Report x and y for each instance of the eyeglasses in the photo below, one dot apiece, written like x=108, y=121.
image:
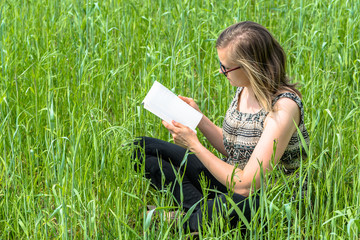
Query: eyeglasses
x=224, y=71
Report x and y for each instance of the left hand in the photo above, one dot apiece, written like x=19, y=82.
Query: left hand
x=182, y=135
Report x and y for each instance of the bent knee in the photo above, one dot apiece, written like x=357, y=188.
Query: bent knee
x=139, y=141
x=137, y=152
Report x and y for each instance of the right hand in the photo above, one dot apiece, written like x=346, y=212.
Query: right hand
x=191, y=102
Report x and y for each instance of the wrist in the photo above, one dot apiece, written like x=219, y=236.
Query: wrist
x=202, y=122
x=196, y=147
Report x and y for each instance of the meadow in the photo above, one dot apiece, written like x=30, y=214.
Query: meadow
x=73, y=75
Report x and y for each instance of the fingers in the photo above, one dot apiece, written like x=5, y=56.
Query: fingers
x=164, y=123
x=186, y=99
x=174, y=128
x=168, y=126
x=177, y=124
x=191, y=102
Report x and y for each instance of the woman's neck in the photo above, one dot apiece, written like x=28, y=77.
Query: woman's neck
x=247, y=102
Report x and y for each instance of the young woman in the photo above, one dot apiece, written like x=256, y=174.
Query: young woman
x=263, y=115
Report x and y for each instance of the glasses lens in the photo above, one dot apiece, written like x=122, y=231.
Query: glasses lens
x=223, y=69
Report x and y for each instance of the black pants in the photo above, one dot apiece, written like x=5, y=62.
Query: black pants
x=162, y=158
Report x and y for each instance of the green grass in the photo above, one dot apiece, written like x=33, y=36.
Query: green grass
x=72, y=78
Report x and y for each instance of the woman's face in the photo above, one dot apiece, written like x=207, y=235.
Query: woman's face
x=238, y=77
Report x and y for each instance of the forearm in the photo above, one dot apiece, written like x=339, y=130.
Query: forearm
x=225, y=173
x=213, y=134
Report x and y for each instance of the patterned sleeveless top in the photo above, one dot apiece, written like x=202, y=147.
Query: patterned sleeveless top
x=242, y=131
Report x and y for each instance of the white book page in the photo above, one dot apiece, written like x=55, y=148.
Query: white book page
x=167, y=106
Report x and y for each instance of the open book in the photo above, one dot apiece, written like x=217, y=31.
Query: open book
x=166, y=105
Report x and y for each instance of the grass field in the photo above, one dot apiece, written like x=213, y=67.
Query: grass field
x=72, y=78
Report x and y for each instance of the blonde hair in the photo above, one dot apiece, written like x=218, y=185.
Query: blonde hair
x=254, y=48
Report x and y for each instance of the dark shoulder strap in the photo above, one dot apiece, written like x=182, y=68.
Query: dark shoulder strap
x=235, y=99
x=295, y=98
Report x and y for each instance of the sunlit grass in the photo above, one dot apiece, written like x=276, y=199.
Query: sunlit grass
x=73, y=75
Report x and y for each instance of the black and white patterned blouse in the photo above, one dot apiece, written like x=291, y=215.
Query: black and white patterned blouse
x=242, y=131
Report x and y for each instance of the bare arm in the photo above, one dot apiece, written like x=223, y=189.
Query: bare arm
x=212, y=132
x=279, y=127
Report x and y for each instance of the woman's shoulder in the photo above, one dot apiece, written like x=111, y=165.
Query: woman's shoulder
x=287, y=93
x=287, y=106
x=287, y=97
